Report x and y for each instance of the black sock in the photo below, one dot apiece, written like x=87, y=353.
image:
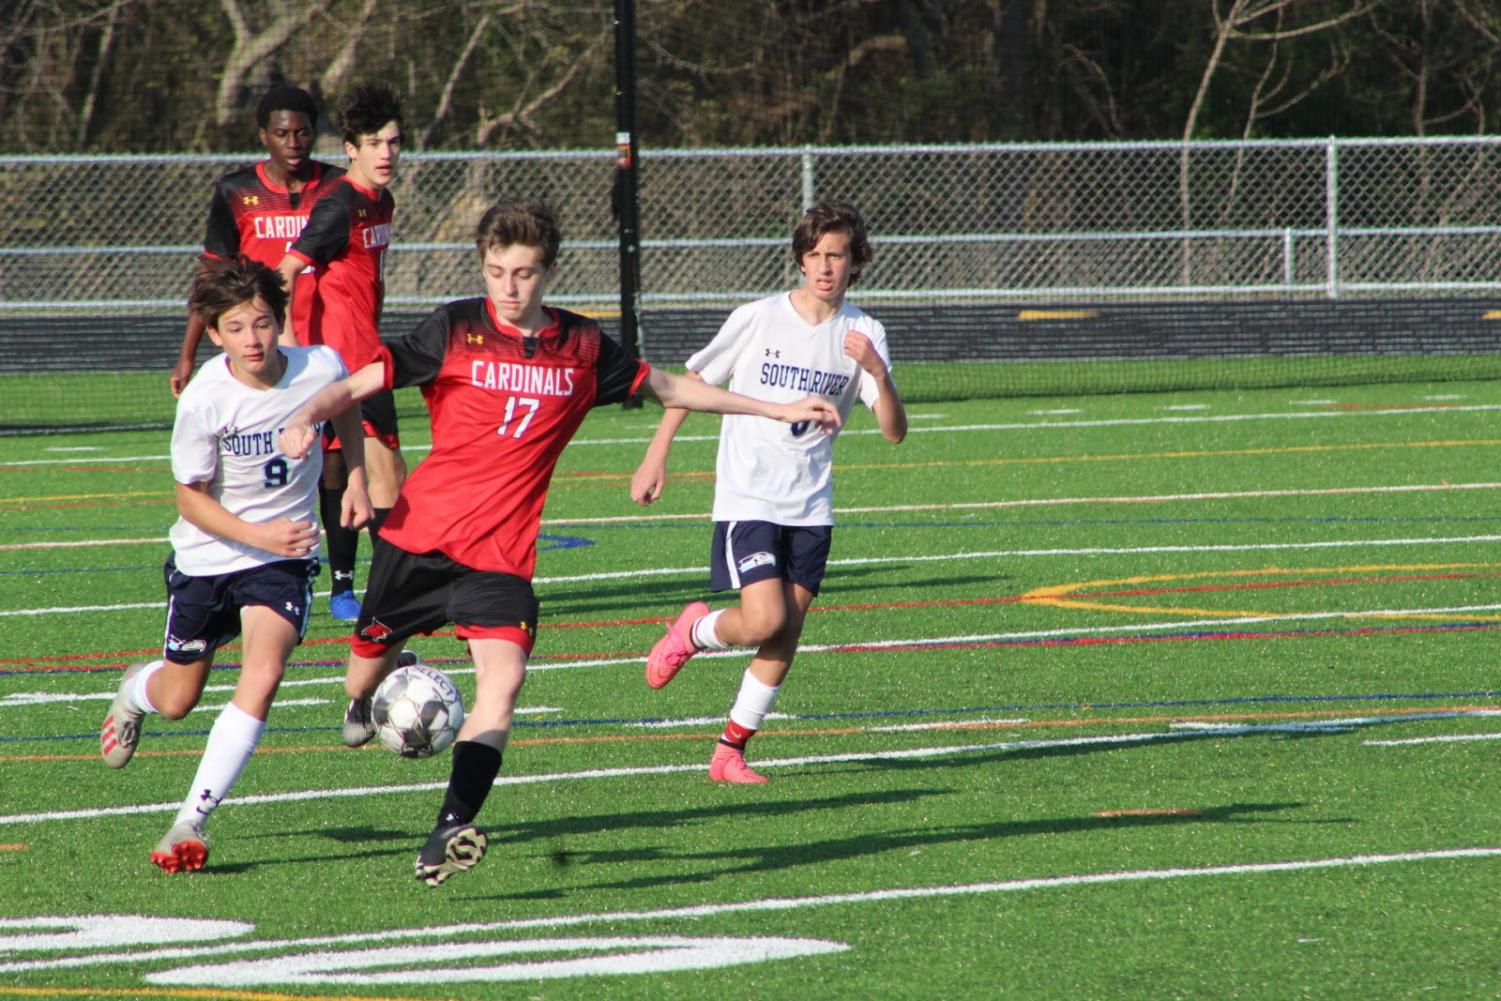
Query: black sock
x=377, y=519
x=343, y=543
x=475, y=766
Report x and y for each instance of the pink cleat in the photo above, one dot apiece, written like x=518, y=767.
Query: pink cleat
x=672, y=651
x=728, y=765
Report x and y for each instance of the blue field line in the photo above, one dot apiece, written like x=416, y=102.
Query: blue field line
x=885, y=714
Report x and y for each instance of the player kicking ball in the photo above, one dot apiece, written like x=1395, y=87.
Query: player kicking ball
x=508, y=380
x=245, y=544
x=774, y=486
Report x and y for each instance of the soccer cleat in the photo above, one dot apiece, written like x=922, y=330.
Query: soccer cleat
x=344, y=606
x=359, y=726
x=672, y=651
x=449, y=850
x=183, y=849
x=121, y=731
x=728, y=765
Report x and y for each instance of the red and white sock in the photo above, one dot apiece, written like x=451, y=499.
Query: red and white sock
x=751, y=707
x=703, y=635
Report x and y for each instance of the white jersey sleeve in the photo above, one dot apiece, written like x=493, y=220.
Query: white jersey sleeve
x=766, y=470
x=225, y=435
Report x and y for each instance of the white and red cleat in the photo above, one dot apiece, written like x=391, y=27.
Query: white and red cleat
x=672, y=651
x=183, y=849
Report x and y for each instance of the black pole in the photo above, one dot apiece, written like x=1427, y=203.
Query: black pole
x=625, y=177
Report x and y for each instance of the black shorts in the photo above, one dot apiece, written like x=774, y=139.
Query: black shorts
x=203, y=613
x=410, y=593
x=378, y=415
x=747, y=551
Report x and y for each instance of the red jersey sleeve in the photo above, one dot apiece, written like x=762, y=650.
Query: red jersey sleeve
x=619, y=374
x=326, y=234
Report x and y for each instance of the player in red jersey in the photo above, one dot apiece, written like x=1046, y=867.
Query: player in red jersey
x=344, y=245
x=258, y=211
x=508, y=381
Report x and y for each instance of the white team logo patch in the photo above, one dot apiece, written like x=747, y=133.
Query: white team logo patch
x=186, y=646
x=761, y=559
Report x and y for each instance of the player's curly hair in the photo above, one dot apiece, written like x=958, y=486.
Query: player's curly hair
x=223, y=285
x=285, y=97
x=366, y=109
x=833, y=217
x=526, y=221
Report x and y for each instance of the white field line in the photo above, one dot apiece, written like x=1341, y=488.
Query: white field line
x=1292, y=415
x=1452, y=739
x=769, y=904
x=970, y=638
x=910, y=754
x=993, y=554
x=1040, y=502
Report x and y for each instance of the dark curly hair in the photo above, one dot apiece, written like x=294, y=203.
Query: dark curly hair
x=223, y=285
x=367, y=109
x=833, y=217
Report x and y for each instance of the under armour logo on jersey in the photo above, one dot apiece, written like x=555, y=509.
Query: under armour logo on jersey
x=474, y=338
x=362, y=213
x=293, y=608
x=773, y=354
x=250, y=200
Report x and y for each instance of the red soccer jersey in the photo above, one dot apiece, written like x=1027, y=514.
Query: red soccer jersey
x=503, y=406
x=345, y=241
x=250, y=216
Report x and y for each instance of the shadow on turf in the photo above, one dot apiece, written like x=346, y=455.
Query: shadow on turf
x=667, y=597
x=762, y=859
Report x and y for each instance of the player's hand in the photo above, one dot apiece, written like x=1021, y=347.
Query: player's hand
x=859, y=347
x=648, y=481
x=355, y=510
x=289, y=538
x=296, y=439
x=813, y=409
x=179, y=376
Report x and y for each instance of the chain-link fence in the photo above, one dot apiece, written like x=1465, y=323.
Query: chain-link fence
x=967, y=238
x=960, y=223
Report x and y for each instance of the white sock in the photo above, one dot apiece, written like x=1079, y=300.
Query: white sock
x=753, y=703
x=704, y=636
x=135, y=692
x=232, y=740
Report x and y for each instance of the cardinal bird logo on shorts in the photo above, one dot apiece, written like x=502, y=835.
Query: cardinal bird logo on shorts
x=376, y=632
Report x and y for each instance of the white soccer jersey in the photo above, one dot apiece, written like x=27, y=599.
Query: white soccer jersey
x=225, y=435
x=767, y=470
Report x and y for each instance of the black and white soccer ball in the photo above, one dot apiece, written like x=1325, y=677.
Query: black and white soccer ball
x=417, y=711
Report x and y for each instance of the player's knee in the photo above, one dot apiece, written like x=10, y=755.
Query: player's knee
x=762, y=623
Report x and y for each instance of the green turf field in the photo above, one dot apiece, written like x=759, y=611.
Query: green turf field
x=1139, y=696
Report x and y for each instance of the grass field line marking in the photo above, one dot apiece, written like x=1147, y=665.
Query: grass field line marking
x=907, y=754
x=632, y=519
x=1451, y=739
x=993, y=554
x=696, y=911
x=948, y=429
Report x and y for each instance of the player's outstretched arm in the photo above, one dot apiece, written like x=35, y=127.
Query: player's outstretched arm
x=651, y=476
x=690, y=394
x=301, y=430
x=283, y=536
x=355, y=508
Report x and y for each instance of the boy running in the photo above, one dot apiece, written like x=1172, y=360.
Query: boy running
x=774, y=487
x=508, y=381
x=344, y=245
x=245, y=544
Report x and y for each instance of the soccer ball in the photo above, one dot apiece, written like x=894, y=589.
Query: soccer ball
x=417, y=711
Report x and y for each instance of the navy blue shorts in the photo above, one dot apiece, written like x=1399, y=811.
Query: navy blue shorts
x=747, y=551
x=410, y=593
x=203, y=613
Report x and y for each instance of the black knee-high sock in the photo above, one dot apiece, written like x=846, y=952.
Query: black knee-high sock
x=343, y=543
x=475, y=766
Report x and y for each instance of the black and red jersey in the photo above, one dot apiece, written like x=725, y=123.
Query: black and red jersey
x=503, y=406
x=250, y=216
x=345, y=242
